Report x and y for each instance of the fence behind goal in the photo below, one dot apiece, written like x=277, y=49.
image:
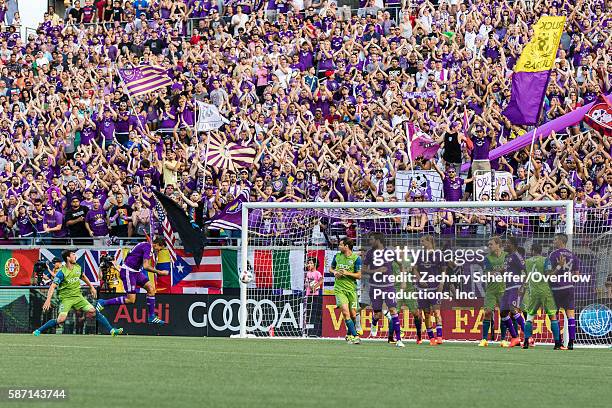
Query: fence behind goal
x=282, y=240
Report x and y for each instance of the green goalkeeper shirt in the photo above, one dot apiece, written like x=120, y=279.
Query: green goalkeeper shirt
x=345, y=263
x=536, y=264
x=68, y=282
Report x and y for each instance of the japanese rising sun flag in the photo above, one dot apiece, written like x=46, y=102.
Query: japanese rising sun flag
x=532, y=70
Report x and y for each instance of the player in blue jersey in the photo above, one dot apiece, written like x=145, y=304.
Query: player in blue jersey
x=133, y=278
x=381, y=286
x=564, y=263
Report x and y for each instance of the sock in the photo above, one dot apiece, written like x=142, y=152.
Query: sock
x=528, y=329
x=430, y=333
x=50, y=324
x=492, y=324
x=151, y=306
x=520, y=320
x=554, y=327
x=374, y=322
x=417, y=324
x=114, y=301
x=104, y=322
x=389, y=318
x=350, y=327
x=439, y=330
x=510, y=327
x=571, y=325
x=358, y=322
x=396, y=327
x=503, y=327
x=486, y=325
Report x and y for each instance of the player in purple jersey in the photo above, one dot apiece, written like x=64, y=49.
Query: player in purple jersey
x=514, y=263
x=429, y=269
x=133, y=277
x=563, y=263
x=382, y=289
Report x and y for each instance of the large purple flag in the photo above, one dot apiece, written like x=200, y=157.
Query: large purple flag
x=423, y=146
x=532, y=70
x=528, y=90
x=231, y=216
x=143, y=79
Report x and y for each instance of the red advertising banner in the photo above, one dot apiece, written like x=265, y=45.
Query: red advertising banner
x=461, y=320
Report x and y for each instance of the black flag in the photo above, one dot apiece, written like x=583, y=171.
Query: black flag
x=192, y=237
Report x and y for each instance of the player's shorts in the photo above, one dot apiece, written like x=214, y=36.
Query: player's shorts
x=540, y=297
x=493, y=294
x=384, y=295
x=427, y=299
x=346, y=297
x=76, y=303
x=132, y=280
x=565, y=298
x=510, y=300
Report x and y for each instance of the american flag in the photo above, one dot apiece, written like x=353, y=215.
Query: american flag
x=167, y=231
x=143, y=79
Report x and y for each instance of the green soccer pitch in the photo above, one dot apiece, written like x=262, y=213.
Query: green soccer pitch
x=133, y=371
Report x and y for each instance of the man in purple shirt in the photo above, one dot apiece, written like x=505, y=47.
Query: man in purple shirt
x=96, y=221
x=564, y=263
x=133, y=278
x=452, y=184
x=53, y=223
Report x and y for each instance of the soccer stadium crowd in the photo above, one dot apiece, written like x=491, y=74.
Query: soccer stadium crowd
x=325, y=93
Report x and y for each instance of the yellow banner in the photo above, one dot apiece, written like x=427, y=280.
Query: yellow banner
x=540, y=53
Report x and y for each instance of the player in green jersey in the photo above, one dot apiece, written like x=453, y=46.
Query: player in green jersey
x=539, y=294
x=493, y=266
x=408, y=301
x=67, y=281
x=346, y=267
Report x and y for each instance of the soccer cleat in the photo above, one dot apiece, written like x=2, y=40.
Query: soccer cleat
x=570, y=345
x=433, y=342
x=116, y=332
x=419, y=341
x=526, y=345
x=99, y=305
x=374, y=331
x=359, y=332
x=514, y=342
x=439, y=340
x=399, y=344
x=563, y=348
x=504, y=344
x=348, y=338
x=558, y=347
x=356, y=340
x=155, y=320
x=36, y=333
x=483, y=343
x=532, y=342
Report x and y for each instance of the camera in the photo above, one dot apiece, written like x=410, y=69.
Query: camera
x=106, y=265
x=40, y=268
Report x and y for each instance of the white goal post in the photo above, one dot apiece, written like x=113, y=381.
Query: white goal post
x=363, y=211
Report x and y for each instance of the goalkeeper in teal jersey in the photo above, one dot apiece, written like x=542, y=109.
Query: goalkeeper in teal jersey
x=68, y=283
x=539, y=294
x=346, y=267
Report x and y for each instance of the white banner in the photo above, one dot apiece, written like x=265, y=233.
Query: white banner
x=482, y=185
x=427, y=182
x=485, y=183
x=209, y=117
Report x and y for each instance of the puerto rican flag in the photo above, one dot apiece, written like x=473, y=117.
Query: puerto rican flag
x=206, y=278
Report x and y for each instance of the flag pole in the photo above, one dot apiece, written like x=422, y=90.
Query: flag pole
x=130, y=99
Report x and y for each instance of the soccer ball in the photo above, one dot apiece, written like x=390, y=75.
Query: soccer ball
x=246, y=277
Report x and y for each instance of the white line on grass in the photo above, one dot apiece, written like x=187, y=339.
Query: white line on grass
x=276, y=355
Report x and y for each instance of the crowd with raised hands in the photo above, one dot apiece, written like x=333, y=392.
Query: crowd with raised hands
x=328, y=94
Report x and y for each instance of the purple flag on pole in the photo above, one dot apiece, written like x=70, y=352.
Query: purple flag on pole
x=230, y=218
x=528, y=89
x=144, y=79
x=423, y=146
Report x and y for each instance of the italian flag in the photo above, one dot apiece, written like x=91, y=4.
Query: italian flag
x=16, y=267
x=281, y=268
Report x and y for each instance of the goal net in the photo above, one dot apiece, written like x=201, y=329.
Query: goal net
x=287, y=250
